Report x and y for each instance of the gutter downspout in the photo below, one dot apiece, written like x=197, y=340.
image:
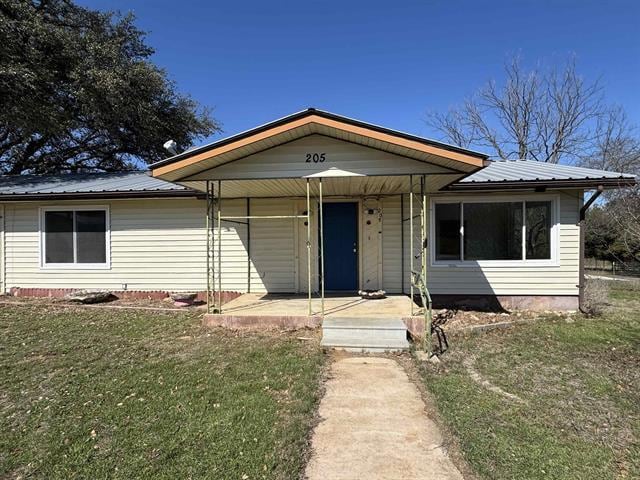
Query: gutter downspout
x=583, y=213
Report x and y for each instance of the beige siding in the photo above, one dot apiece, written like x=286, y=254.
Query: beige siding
x=289, y=161
x=161, y=245
x=155, y=245
x=273, y=255
x=560, y=279
x=2, y=254
x=235, y=264
x=392, y=244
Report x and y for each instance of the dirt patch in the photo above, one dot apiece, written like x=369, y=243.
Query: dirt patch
x=463, y=319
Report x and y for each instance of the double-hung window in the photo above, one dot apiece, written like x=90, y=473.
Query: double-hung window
x=75, y=237
x=493, y=230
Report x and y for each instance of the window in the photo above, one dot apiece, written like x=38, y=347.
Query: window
x=75, y=237
x=493, y=230
x=448, y=228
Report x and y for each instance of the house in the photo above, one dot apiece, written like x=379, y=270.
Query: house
x=309, y=204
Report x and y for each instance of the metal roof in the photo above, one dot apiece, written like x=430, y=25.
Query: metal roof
x=521, y=172
x=500, y=174
x=88, y=184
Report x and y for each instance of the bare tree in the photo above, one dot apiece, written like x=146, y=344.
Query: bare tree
x=545, y=115
x=616, y=144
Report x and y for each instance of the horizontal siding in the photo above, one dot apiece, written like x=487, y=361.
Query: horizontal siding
x=273, y=253
x=561, y=279
x=289, y=161
x=155, y=245
x=161, y=245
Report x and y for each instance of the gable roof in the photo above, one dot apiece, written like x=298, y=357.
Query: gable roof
x=523, y=173
x=308, y=122
x=79, y=185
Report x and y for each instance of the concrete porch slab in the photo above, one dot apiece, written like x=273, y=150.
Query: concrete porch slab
x=290, y=312
x=334, y=305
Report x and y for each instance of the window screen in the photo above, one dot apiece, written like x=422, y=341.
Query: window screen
x=447, y=231
x=493, y=231
x=75, y=236
x=538, y=239
x=59, y=237
x=90, y=236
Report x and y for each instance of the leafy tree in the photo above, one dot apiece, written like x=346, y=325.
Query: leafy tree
x=78, y=92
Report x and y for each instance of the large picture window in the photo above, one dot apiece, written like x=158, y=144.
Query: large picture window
x=493, y=230
x=75, y=237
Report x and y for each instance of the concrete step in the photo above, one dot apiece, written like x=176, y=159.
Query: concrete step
x=365, y=334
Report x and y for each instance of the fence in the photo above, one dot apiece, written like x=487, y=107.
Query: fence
x=629, y=268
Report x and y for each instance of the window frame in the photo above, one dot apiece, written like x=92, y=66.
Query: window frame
x=75, y=265
x=554, y=234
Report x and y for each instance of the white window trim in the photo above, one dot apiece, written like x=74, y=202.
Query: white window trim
x=75, y=266
x=555, y=231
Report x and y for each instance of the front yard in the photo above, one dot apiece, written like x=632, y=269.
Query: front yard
x=106, y=393
x=87, y=393
x=576, y=381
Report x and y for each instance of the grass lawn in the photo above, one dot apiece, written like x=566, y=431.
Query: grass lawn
x=87, y=393
x=579, y=385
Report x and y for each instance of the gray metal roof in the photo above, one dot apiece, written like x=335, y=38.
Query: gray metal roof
x=87, y=183
x=515, y=171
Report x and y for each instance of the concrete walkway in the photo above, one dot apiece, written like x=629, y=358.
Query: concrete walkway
x=374, y=426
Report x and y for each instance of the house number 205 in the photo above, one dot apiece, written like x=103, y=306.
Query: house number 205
x=315, y=157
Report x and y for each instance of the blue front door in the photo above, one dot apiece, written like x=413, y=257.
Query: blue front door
x=340, y=246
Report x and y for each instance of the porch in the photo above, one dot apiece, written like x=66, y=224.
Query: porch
x=349, y=321
x=313, y=203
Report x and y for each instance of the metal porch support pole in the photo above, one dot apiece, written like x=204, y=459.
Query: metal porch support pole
x=248, y=245
x=402, y=269
x=423, y=225
x=411, y=239
x=208, y=227
x=219, y=246
x=321, y=211
x=423, y=265
x=309, y=249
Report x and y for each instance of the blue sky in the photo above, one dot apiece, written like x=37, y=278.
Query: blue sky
x=383, y=62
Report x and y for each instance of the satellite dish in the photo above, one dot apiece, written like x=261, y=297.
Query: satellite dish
x=171, y=147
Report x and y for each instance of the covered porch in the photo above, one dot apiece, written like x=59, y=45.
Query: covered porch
x=318, y=207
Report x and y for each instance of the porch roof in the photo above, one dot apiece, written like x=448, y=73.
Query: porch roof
x=188, y=164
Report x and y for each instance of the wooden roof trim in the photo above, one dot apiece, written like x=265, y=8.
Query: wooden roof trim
x=316, y=119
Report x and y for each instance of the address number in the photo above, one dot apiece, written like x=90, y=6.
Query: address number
x=315, y=157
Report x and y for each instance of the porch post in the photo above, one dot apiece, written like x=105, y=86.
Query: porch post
x=321, y=250
x=248, y=245
x=423, y=265
x=423, y=229
x=411, y=239
x=209, y=228
x=219, y=247
x=309, y=248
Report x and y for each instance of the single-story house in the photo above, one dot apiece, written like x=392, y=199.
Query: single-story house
x=307, y=204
